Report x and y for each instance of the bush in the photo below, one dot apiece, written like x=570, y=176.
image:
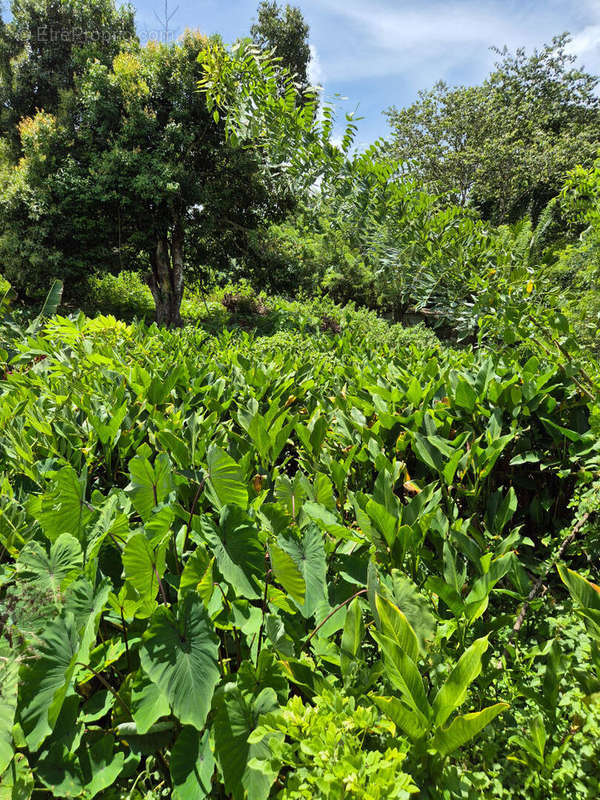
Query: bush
x=125, y=296
x=291, y=258
x=242, y=299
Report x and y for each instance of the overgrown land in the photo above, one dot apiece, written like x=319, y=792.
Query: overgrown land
x=299, y=441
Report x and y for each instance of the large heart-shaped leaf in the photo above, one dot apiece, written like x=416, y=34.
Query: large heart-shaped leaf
x=46, y=680
x=144, y=565
x=238, y=550
x=64, y=509
x=51, y=572
x=308, y=552
x=150, y=485
x=225, y=479
x=180, y=655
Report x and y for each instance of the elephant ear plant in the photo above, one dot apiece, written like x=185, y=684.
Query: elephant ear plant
x=233, y=568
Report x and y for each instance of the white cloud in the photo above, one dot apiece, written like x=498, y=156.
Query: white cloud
x=586, y=42
x=427, y=39
x=315, y=68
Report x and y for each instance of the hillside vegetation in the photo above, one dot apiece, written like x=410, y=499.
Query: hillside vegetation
x=300, y=455
x=221, y=551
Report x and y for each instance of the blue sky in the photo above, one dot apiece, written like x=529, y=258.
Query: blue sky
x=379, y=53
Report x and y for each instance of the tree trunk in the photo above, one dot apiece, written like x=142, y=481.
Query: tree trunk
x=166, y=279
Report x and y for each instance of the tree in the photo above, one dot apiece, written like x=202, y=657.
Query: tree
x=286, y=32
x=140, y=174
x=5, y=71
x=439, y=139
x=504, y=147
x=48, y=43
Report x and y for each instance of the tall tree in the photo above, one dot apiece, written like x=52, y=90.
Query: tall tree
x=140, y=174
x=285, y=31
x=506, y=146
x=49, y=43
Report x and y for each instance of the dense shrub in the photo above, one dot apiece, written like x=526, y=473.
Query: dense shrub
x=125, y=296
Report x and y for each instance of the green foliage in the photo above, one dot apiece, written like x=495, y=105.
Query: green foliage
x=132, y=172
x=285, y=32
x=124, y=295
x=506, y=146
x=195, y=528
x=47, y=45
x=335, y=749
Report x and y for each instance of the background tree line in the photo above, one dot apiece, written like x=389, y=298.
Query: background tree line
x=111, y=159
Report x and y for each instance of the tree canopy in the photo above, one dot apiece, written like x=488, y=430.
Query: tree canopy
x=48, y=44
x=506, y=146
x=285, y=31
x=138, y=173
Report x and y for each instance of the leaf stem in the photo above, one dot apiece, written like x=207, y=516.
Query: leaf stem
x=106, y=685
x=264, y=611
x=335, y=610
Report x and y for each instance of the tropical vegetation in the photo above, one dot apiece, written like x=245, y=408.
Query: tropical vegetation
x=300, y=442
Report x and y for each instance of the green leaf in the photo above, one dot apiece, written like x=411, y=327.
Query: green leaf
x=539, y=736
x=477, y=600
x=287, y=573
x=308, y=553
x=64, y=509
x=197, y=575
x=325, y=519
x=395, y=626
x=9, y=673
x=51, y=572
x=587, y=594
x=192, y=765
x=148, y=703
x=86, y=603
x=225, y=479
x=144, y=565
x=427, y=453
x=238, y=550
x=402, y=716
x=404, y=675
x=53, y=300
x=180, y=656
x=352, y=637
x=108, y=433
x=447, y=593
x=454, y=691
x=582, y=590
x=414, y=606
x=466, y=397
x=237, y=715
x=464, y=728
x=451, y=467
x=100, y=765
x=150, y=485
x=386, y=523
x=17, y=782
x=109, y=523
x=46, y=680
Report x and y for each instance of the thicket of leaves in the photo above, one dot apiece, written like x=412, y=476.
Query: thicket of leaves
x=239, y=567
